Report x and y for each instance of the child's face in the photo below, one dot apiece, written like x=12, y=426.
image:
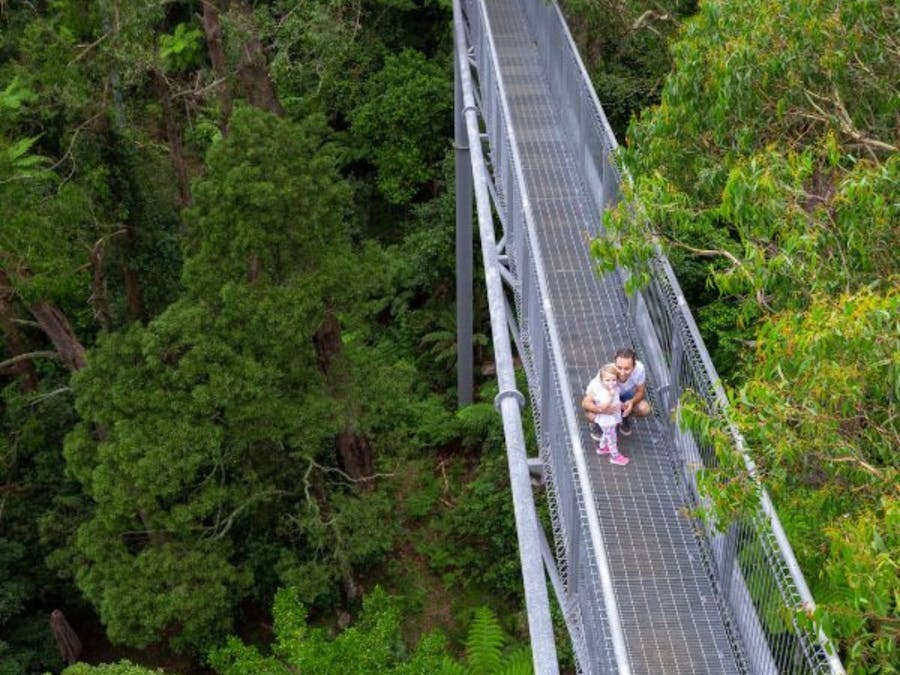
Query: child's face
x=609, y=381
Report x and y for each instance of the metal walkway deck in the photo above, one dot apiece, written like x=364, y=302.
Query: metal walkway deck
x=670, y=616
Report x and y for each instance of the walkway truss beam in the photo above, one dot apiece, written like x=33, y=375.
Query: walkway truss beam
x=759, y=593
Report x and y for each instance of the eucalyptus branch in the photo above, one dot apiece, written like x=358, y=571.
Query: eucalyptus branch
x=845, y=123
x=710, y=253
x=856, y=460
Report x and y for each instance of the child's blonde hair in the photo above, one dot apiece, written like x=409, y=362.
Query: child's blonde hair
x=609, y=369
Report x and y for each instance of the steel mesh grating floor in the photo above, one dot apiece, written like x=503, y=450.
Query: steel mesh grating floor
x=671, y=620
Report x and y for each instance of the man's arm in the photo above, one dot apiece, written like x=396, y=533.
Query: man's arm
x=629, y=405
x=605, y=405
x=587, y=404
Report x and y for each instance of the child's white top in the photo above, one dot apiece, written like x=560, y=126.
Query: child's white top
x=602, y=396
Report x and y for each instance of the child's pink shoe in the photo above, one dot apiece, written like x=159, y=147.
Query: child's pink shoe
x=619, y=459
x=602, y=449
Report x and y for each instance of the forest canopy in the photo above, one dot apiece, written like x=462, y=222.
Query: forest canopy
x=228, y=432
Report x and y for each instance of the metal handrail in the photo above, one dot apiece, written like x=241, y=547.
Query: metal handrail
x=598, y=546
x=509, y=401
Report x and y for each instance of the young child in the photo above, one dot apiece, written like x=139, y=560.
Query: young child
x=604, y=390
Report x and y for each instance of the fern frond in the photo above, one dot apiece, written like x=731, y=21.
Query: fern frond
x=517, y=662
x=451, y=667
x=484, y=643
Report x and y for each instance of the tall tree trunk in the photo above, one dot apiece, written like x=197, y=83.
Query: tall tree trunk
x=99, y=299
x=212, y=29
x=133, y=292
x=23, y=369
x=354, y=453
x=327, y=340
x=253, y=69
x=354, y=456
x=173, y=135
x=57, y=327
x=66, y=640
x=253, y=74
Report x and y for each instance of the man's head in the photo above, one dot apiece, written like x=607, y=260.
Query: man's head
x=624, y=363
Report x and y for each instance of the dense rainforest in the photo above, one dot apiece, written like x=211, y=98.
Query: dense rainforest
x=229, y=435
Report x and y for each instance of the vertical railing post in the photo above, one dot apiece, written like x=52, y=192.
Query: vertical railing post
x=465, y=381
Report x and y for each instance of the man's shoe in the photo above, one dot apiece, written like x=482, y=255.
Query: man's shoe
x=625, y=426
x=596, y=431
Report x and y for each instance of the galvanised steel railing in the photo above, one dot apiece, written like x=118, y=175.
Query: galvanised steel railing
x=752, y=565
x=584, y=587
x=509, y=401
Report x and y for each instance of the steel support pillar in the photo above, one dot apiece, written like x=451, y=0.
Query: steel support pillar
x=465, y=382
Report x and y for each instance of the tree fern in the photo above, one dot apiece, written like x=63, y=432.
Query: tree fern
x=451, y=667
x=518, y=662
x=484, y=644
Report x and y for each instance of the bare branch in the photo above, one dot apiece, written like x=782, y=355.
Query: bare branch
x=44, y=397
x=650, y=15
x=28, y=356
x=221, y=531
x=89, y=48
x=196, y=92
x=844, y=122
x=77, y=131
x=708, y=252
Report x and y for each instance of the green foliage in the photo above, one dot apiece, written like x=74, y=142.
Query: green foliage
x=123, y=667
x=769, y=157
x=485, y=653
x=624, y=47
x=372, y=644
x=207, y=440
x=771, y=161
x=269, y=204
x=15, y=95
x=321, y=57
x=31, y=480
x=14, y=592
x=202, y=471
x=484, y=642
x=403, y=126
x=182, y=50
x=819, y=408
x=474, y=544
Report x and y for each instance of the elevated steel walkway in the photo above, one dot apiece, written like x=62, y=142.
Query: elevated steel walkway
x=670, y=617
x=644, y=587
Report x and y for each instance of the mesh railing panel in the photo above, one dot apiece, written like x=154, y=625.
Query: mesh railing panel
x=751, y=569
